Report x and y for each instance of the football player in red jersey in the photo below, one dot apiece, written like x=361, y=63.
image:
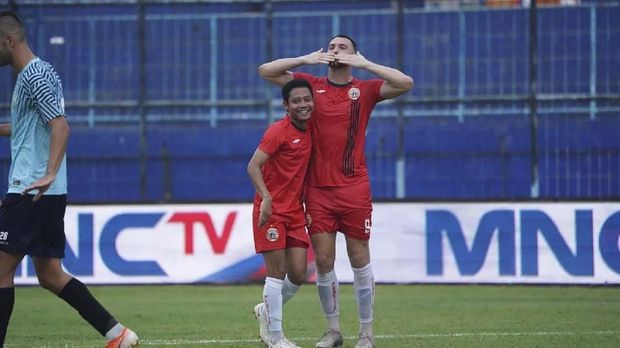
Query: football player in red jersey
x=278, y=170
x=338, y=196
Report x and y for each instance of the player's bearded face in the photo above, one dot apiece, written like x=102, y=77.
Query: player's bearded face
x=339, y=45
x=336, y=63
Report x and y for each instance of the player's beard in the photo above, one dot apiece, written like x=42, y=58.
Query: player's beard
x=336, y=64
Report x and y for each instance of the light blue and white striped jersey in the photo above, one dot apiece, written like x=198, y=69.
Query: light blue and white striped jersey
x=37, y=99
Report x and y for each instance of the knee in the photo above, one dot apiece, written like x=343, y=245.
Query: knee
x=359, y=258
x=46, y=282
x=276, y=271
x=297, y=274
x=324, y=259
x=8, y=265
x=52, y=282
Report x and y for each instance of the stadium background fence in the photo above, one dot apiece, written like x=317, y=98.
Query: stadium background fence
x=166, y=105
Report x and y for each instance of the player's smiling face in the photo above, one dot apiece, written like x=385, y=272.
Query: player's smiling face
x=300, y=105
x=340, y=45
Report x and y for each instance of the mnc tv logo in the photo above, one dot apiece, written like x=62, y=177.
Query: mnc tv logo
x=164, y=240
x=523, y=235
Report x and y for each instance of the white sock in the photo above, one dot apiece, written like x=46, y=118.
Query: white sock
x=329, y=294
x=364, y=287
x=288, y=290
x=114, y=331
x=275, y=336
x=272, y=296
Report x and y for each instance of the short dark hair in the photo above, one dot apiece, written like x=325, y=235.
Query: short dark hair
x=13, y=24
x=289, y=86
x=344, y=36
x=9, y=13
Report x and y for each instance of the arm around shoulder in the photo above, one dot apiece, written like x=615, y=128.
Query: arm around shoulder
x=278, y=71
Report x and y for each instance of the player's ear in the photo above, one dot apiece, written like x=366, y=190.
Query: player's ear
x=10, y=40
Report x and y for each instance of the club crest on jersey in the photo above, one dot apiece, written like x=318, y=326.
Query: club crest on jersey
x=272, y=234
x=354, y=93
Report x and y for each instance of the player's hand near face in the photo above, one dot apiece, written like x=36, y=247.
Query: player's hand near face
x=396, y=83
x=319, y=57
x=354, y=60
x=265, y=211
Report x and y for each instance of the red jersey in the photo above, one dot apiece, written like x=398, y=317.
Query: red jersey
x=285, y=170
x=339, y=122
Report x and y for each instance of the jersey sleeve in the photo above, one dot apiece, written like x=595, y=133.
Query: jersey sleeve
x=47, y=100
x=308, y=77
x=271, y=141
x=374, y=89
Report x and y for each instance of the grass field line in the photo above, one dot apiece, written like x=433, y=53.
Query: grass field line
x=214, y=342
x=387, y=337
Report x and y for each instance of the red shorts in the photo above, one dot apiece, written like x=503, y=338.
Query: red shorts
x=346, y=209
x=276, y=235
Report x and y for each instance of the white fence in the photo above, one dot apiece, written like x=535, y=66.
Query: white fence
x=568, y=243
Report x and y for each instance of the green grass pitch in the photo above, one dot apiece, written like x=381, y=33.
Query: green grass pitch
x=405, y=316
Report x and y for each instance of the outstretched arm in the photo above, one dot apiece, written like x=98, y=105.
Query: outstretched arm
x=396, y=83
x=256, y=176
x=278, y=71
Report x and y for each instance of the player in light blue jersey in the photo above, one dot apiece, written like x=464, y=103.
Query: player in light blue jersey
x=32, y=214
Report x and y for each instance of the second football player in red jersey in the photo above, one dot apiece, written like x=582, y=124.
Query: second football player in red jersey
x=338, y=196
x=277, y=170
